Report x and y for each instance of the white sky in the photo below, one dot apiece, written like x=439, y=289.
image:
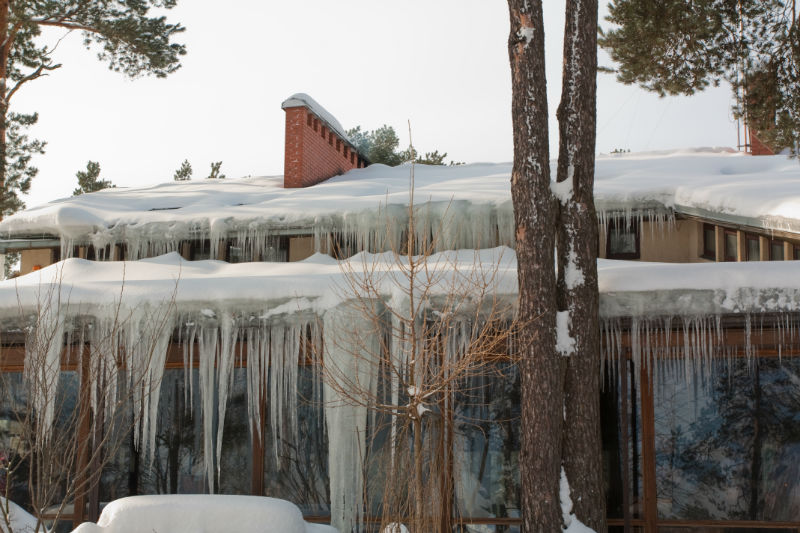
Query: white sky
x=442, y=64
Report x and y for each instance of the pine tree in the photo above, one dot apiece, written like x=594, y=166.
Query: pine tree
x=215, y=175
x=89, y=179
x=675, y=47
x=129, y=40
x=380, y=146
x=19, y=172
x=560, y=423
x=184, y=173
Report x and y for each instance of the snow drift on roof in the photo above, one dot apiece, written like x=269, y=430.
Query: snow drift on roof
x=757, y=191
x=315, y=284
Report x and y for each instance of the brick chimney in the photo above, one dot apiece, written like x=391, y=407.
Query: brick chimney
x=757, y=147
x=316, y=145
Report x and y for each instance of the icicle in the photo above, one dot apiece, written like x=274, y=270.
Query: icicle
x=224, y=380
x=207, y=353
x=346, y=422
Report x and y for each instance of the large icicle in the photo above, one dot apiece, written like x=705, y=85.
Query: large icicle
x=346, y=421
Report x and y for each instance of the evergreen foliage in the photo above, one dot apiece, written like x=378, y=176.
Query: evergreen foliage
x=89, y=179
x=675, y=47
x=380, y=146
x=11, y=265
x=215, y=174
x=184, y=173
x=19, y=172
x=128, y=39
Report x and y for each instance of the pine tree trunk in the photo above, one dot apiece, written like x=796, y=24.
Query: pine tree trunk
x=541, y=367
x=577, y=257
x=5, y=48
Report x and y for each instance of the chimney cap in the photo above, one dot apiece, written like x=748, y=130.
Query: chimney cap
x=304, y=100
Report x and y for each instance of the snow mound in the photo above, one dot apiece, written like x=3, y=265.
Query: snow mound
x=21, y=521
x=201, y=513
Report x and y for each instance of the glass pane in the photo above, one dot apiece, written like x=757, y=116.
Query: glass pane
x=299, y=473
x=622, y=240
x=487, y=444
x=620, y=470
x=776, y=251
x=753, y=250
x=731, y=246
x=797, y=253
x=728, y=443
x=709, y=240
x=236, y=462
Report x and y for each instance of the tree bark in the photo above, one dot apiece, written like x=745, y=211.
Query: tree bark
x=5, y=49
x=541, y=368
x=577, y=258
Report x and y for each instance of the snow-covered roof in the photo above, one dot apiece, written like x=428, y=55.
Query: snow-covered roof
x=755, y=191
x=316, y=284
x=304, y=100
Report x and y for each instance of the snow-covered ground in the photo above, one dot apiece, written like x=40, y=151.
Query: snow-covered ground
x=197, y=513
x=757, y=191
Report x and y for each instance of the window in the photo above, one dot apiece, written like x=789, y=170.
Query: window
x=776, y=250
x=796, y=254
x=709, y=242
x=622, y=241
x=731, y=245
x=753, y=248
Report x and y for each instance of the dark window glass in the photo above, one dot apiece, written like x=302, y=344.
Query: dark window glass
x=796, y=252
x=753, y=248
x=731, y=246
x=487, y=444
x=622, y=240
x=709, y=242
x=776, y=250
x=727, y=442
x=298, y=471
x=620, y=423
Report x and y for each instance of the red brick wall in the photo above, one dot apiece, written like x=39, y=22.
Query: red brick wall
x=757, y=147
x=314, y=153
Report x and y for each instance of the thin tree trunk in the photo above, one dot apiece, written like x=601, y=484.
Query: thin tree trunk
x=535, y=216
x=577, y=257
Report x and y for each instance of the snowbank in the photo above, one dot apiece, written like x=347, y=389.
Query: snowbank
x=21, y=521
x=756, y=191
x=181, y=513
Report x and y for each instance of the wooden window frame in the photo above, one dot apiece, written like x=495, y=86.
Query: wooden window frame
x=633, y=226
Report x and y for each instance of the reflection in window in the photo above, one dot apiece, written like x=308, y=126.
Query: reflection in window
x=177, y=466
x=728, y=447
x=487, y=444
x=620, y=424
x=298, y=471
x=622, y=239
